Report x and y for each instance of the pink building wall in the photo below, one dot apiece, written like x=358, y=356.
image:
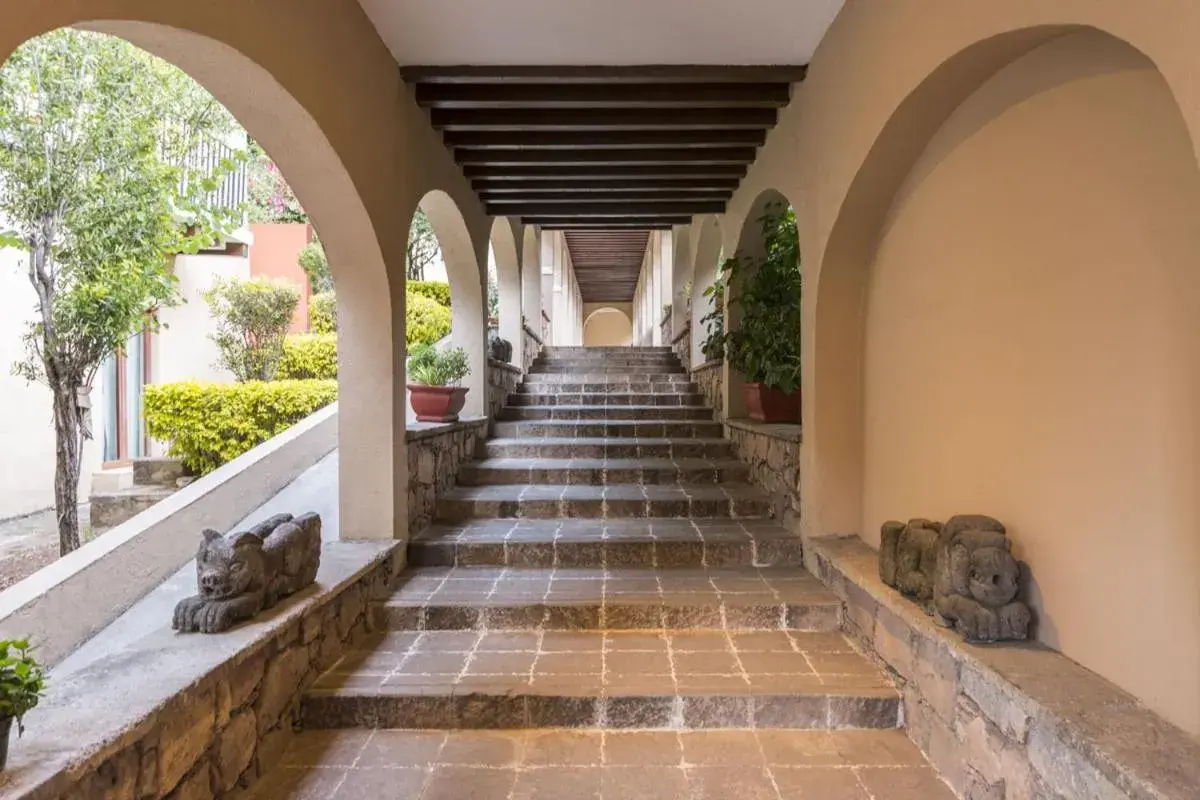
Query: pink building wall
x=273, y=255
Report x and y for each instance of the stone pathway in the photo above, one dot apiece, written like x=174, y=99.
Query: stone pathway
x=604, y=610
x=30, y=542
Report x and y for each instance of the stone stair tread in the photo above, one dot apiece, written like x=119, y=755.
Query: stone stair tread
x=605, y=407
x=587, y=530
x=608, y=440
x=620, y=491
x=651, y=463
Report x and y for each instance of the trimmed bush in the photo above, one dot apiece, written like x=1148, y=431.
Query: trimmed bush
x=322, y=313
x=312, y=260
x=209, y=424
x=426, y=321
x=308, y=356
x=252, y=317
x=434, y=290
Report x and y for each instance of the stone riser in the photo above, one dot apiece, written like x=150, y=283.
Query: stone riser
x=455, y=510
x=605, y=366
x=600, y=399
x=577, y=350
x=609, y=388
x=482, y=475
x=567, y=554
x=678, y=448
x=326, y=709
x=618, y=429
x=815, y=617
x=536, y=413
x=614, y=379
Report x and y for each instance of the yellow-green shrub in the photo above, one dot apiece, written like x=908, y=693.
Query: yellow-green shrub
x=209, y=424
x=425, y=320
x=307, y=356
x=434, y=290
x=322, y=313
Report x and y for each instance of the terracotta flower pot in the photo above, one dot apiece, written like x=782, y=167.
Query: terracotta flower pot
x=770, y=404
x=437, y=403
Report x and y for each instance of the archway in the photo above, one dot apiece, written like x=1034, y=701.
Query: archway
x=707, y=254
x=504, y=238
x=921, y=263
x=531, y=290
x=607, y=327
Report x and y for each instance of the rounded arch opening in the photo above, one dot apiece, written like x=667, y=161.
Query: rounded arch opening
x=704, y=269
x=607, y=327
x=507, y=259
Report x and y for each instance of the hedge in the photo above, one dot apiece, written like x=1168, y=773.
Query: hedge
x=307, y=356
x=322, y=313
x=209, y=424
x=434, y=290
x=425, y=320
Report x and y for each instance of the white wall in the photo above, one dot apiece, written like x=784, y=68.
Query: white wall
x=182, y=349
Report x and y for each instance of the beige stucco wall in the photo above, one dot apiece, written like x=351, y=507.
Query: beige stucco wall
x=183, y=348
x=607, y=325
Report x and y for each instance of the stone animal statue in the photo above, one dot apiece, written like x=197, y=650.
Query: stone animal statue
x=249, y=572
x=501, y=350
x=908, y=557
x=978, y=580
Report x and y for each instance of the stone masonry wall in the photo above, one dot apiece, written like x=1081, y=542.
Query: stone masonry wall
x=435, y=455
x=502, y=381
x=1006, y=722
x=708, y=377
x=681, y=343
x=773, y=455
x=231, y=726
x=532, y=347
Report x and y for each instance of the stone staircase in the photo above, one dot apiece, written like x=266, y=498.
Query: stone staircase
x=606, y=567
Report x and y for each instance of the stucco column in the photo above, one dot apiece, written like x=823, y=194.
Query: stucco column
x=531, y=281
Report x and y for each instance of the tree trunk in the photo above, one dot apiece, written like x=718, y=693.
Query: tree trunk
x=68, y=451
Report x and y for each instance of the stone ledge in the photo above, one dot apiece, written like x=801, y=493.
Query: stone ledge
x=417, y=431
x=531, y=333
x=1009, y=721
x=679, y=336
x=708, y=365
x=775, y=430
x=129, y=701
x=494, y=364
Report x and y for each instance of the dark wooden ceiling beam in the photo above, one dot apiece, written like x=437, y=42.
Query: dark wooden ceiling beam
x=578, y=119
x=590, y=209
x=488, y=186
x=628, y=196
x=603, y=95
x=648, y=73
x=606, y=139
x=698, y=155
x=549, y=220
x=601, y=172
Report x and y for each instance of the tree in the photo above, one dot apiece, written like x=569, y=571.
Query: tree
x=271, y=199
x=316, y=266
x=95, y=182
x=423, y=246
x=253, y=317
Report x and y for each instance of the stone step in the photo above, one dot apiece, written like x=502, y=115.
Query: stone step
x=603, y=680
x=609, y=388
x=602, y=472
x=605, y=380
x=625, y=598
x=604, y=412
x=610, y=543
x=608, y=447
x=556, y=398
x=625, y=428
x=651, y=373
x=560, y=350
x=602, y=502
x=605, y=365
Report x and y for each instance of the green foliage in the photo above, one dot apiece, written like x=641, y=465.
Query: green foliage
x=209, y=424
x=429, y=366
x=713, y=346
x=438, y=291
x=270, y=197
x=423, y=246
x=312, y=260
x=493, y=296
x=22, y=680
x=322, y=313
x=425, y=320
x=307, y=356
x=765, y=347
x=252, y=319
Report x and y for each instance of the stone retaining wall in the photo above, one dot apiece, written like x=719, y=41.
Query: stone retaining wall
x=532, y=346
x=773, y=455
x=1006, y=722
x=502, y=381
x=681, y=343
x=435, y=454
x=709, y=378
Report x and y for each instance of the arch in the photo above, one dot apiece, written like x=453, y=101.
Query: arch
x=531, y=287
x=607, y=327
x=706, y=252
x=468, y=279
x=505, y=235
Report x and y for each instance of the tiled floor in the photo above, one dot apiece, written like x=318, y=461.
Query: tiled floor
x=602, y=765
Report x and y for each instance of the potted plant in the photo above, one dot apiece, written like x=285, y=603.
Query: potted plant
x=22, y=679
x=713, y=346
x=765, y=347
x=435, y=374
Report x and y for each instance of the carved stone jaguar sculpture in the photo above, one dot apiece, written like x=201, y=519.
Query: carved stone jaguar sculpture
x=908, y=557
x=978, y=580
x=248, y=572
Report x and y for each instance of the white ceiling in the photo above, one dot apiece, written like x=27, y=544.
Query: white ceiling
x=601, y=32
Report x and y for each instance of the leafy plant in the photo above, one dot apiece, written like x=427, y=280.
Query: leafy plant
x=322, y=313
x=713, y=346
x=423, y=246
x=312, y=260
x=22, y=680
x=429, y=366
x=438, y=291
x=765, y=347
x=426, y=321
x=270, y=197
x=308, y=356
x=209, y=424
x=101, y=185
x=253, y=317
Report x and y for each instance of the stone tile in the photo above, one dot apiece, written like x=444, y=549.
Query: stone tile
x=469, y=783
x=556, y=783
x=905, y=783
x=644, y=783
x=382, y=783
x=642, y=748
x=727, y=748
x=562, y=749
x=638, y=712
x=820, y=783
x=480, y=747
x=724, y=783
x=300, y=784
x=387, y=748
x=338, y=748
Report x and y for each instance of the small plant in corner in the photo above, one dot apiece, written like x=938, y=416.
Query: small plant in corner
x=435, y=375
x=22, y=680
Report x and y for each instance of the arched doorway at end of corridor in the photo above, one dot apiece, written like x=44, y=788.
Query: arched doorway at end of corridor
x=607, y=325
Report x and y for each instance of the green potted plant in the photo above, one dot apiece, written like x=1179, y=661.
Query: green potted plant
x=435, y=375
x=22, y=679
x=713, y=346
x=765, y=347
